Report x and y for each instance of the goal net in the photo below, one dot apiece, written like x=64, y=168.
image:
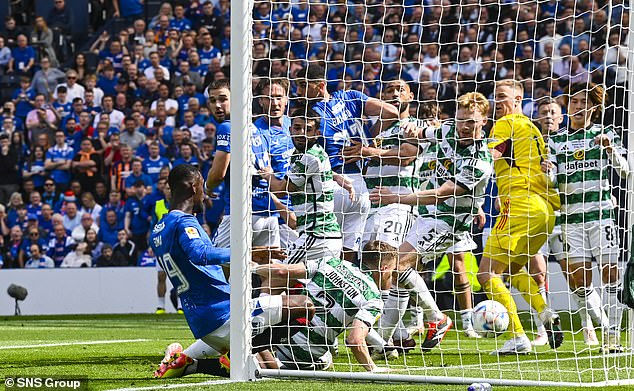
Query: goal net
x=416, y=159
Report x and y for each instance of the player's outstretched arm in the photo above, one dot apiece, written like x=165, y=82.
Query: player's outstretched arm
x=217, y=171
x=198, y=251
x=276, y=271
x=386, y=112
x=346, y=184
x=287, y=215
x=402, y=156
x=276, y=186
x=355, y=341
x=617, y=160
x=449, y=189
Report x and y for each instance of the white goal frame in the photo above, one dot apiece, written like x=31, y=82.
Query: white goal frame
x=243, y=368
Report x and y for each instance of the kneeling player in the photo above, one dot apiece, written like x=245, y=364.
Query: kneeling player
x=193, y=266
x=346, y=299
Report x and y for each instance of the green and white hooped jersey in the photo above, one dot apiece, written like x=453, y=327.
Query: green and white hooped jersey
x=469, y=167
x=313, y=204
x=581, y=173
x=398, y=179
x=341, y=293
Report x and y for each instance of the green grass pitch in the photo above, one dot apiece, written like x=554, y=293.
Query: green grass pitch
x=121, y=351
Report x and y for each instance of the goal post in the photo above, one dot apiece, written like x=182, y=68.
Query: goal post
x=240, y=190
x=442, y=49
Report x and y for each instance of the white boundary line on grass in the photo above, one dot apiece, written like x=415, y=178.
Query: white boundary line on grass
x=169, y=386
x=517, y=362
x=45, y=345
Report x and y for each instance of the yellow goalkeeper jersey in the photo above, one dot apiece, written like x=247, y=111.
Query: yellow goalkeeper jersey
x=518, y=171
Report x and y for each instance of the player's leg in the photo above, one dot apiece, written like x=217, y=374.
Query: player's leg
x=426, y=236
x=351, y=215
x=161, y=289
x=604, y=237
x=462, y=290
x=490, y=278
x=578, y=268
x=209, y=354
x=388, y=224
x=537, y=270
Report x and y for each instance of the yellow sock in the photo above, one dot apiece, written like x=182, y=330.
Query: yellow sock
x=524, y=283
x=496, y=290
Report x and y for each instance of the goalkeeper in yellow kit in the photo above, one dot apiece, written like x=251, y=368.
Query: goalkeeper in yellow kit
x=528, y=201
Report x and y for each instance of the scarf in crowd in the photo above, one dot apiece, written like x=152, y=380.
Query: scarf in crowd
x=84, y=157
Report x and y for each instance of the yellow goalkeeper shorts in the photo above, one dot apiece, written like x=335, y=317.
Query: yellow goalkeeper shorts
x=521, y=229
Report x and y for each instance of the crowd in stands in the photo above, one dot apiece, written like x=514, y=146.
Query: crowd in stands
x=86, y=147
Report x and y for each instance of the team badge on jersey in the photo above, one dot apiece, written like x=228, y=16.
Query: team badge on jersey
x=192, y=233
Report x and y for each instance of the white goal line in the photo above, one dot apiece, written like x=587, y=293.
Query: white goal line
x=398, y=378
x=45, y=345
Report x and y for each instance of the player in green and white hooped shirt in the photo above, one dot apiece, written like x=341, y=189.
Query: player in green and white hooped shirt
x=549, y=120
x=310, y=183
x=447, y=207
x=579, y=160
x=345, y=297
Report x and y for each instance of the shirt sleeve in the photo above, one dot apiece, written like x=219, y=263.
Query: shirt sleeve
x=197, y=250
x=500, y=135
x=223, y=138
x=370, y=311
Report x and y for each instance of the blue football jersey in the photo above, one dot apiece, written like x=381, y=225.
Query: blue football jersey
x=261, y=199
x=340, y=125
x=185, y=252
x=260, y=158
x=281, y=149
x=223, y=143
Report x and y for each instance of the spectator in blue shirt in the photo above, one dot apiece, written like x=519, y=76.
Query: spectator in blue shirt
x=109, y=228
x=58, y=160
x=108, y=81
x=137, y=223
x=60, y=246
x=180, y=22
x=186, y=156
x=155, y=162
x=137, y=175
x=23, y=98
x=22, y=57
x=128, y=9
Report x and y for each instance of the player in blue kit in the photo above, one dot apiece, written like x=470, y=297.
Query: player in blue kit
x=265, y=225
x=192, y=263
x=273, y=97
x=341, y=125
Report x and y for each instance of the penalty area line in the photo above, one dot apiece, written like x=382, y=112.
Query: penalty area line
x=45, y=345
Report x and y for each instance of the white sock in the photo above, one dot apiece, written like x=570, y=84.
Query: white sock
x=466, y=315
x=161, y=302
x=410, y=279
x=589, y=303
x=375, y=341
x=199, y=349
x=614, y=308
x=393, y=312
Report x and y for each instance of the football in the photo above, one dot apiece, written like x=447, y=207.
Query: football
x=490, y=318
